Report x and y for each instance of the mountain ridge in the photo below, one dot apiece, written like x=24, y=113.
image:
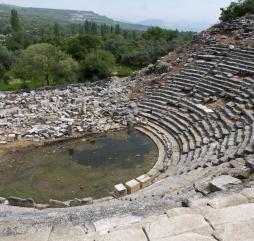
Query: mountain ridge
x=76, y=16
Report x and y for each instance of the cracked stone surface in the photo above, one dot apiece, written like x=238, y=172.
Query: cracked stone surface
x=232, y=223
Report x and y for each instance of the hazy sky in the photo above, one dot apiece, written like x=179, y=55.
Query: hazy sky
x=136, y=10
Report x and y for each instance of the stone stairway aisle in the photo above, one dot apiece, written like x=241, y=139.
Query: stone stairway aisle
x=224, y=218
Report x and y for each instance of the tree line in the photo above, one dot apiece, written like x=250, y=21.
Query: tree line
x=237, y=9
x=61, y=53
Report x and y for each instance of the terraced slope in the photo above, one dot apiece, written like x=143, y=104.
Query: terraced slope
x=208, y=107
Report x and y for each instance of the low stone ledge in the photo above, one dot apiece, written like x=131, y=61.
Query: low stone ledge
x=57, y=204
x=249, y=193
x=81, y=202
x=41, y=206
x=159, y=165
x=19, y=202
x=222, y=182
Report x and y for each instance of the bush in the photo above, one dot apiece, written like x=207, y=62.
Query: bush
x=237, y=10
x=2, y=71
x=6, y=57
x=97, y=65
x=78, y=47
x=44, y=63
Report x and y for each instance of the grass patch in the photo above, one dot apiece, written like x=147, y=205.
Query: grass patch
x=122, y=71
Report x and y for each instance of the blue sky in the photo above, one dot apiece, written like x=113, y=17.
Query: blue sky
x=170, y=11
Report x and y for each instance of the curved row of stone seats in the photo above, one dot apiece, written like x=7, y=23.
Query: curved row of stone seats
x=233, y=146
x=221, y=114
x=196, y=116
x=190, y=136
x=171, y=127
x=219, y=86
x=184, y=140
x=238, y=61
x=204, y=139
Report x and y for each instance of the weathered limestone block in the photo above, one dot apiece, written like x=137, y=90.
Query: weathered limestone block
x=235, y=231
x=68, y=234
x=86, y=201
x=200, y=202
x=120, y=190
x=131, y=234
x=188, y=237
x=233, y=223
x=203, y=186
x=237, y=162
x=231, y=200
x=38, y=236
x=166, y=227
x=132, y=186
x=240, y=213
x=41, y=206
x=250, y=162
x=81, y=202
x=107, y=225
x=14, y=201
x=240, y=172
x=179, y=211
x=222, y=182
x=249, y=193
x=145, y=181
x=57, y=204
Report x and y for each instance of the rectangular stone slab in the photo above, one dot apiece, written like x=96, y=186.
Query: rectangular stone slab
x=131, y=234
x=165, y=227
x=68, y=234
x=120, y=190
x=145, y=181
x=39, y=236
x=132, y=186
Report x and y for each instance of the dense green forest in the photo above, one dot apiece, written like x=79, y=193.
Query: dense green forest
x=52, y=53
x=237, y=9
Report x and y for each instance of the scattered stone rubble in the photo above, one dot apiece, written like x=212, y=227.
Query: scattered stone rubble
x=51, y=114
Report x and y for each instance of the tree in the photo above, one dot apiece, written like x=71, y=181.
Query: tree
x=118, y=29
x=56, y=29
x=2, y=71
x=14, y=20
x=81, y=45
x=44, y=63
x=6, y=57
x=237, y=9
x=97, y=65
x=156, y=33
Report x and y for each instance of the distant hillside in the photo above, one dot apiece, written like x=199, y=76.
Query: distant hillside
x=178, y=24
x=67, y=16
x=154, y=22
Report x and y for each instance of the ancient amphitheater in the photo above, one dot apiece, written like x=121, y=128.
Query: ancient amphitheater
x=198, y=105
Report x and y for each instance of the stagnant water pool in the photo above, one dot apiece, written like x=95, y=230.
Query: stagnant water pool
x=76, y=169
